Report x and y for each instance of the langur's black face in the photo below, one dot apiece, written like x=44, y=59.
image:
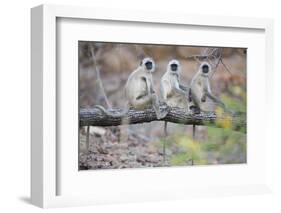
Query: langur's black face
x=174, y=67
x=148, y=65
x=205, y=69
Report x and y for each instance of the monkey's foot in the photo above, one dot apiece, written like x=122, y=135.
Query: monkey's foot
x=162, y=111
x=195, y=109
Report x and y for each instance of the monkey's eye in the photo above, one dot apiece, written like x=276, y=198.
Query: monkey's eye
x=148, y=65
x=205, y=69
x=174, y=67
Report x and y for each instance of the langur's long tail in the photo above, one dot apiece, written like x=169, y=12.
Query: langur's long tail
x=193, y=131
x=164, y=142
x=165, y=128
x=193, y=138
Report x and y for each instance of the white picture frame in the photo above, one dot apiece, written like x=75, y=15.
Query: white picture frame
x=46, y=170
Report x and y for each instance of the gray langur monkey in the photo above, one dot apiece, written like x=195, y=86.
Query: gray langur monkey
x=173, y=92
x=200, y=89
x=139, y=90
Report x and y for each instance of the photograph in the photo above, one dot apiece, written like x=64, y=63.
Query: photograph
x=161, y=105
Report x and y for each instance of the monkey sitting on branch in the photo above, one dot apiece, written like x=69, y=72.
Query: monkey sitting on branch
x=139, y=91
x=200, y=90
x=173, y=93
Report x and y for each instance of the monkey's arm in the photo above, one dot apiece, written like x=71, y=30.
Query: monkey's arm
x=194, y=98
x=176, y=86
x=215, y=99
x=208, y=93
x=219, y=102
x=183, y=87
x=149, y=86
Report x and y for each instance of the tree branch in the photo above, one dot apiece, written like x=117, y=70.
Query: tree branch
x=95, y=117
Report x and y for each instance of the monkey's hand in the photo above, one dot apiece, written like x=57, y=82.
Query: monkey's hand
x=183, y=87
x=203, y=98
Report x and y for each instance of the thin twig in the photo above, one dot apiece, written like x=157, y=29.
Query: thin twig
x=99, y=78
x=164, y=142
x=210, y=55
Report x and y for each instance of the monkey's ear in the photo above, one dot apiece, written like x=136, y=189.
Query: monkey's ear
x=141, y=63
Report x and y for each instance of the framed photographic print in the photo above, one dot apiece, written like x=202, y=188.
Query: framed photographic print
x=131, y=105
